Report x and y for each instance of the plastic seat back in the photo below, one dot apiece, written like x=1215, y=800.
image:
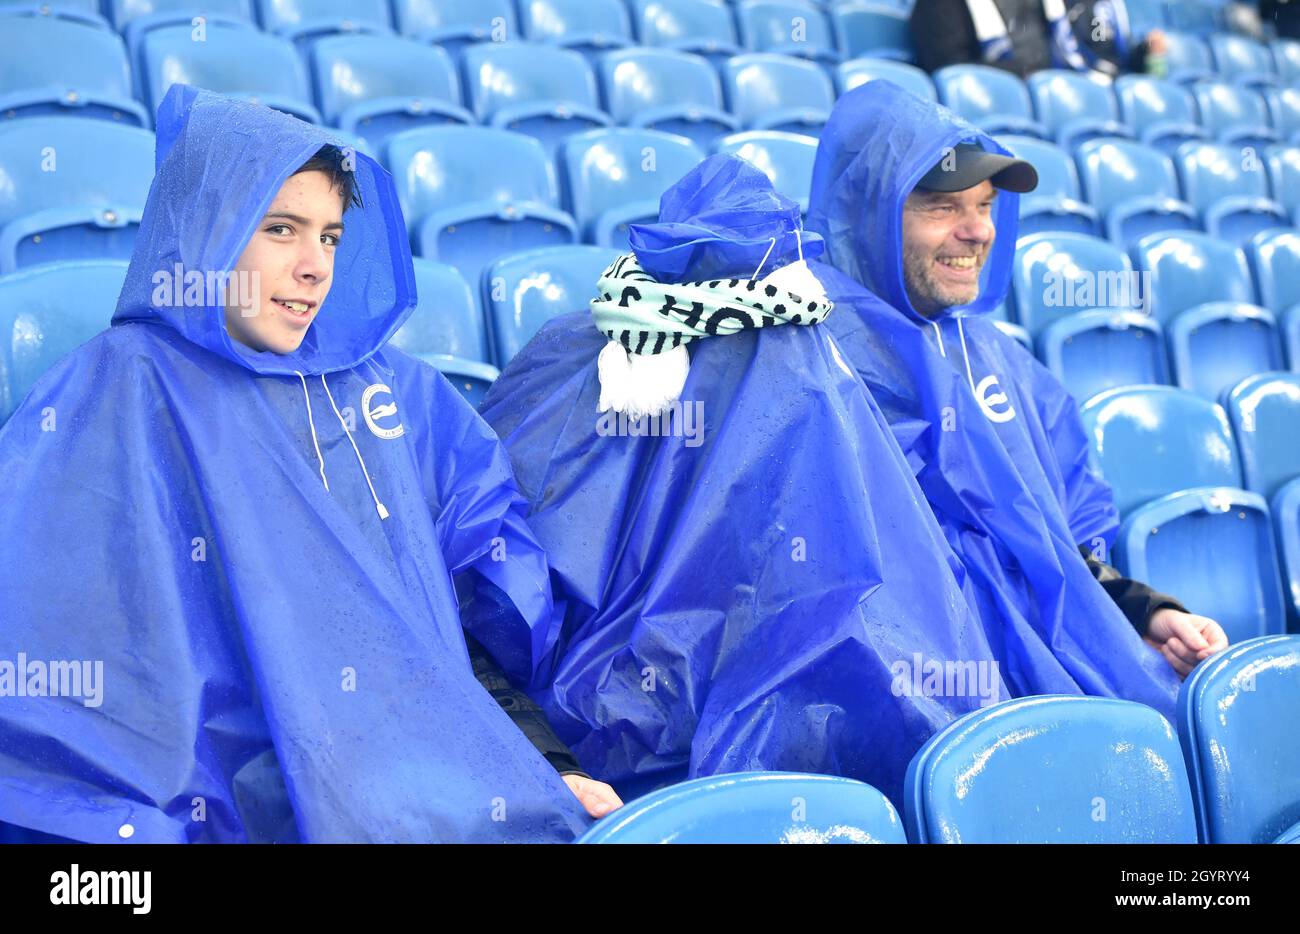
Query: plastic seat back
x=446, y=320
x=1265, y=413
x=777, y=92
x=1188, y=269
x=786, y=158
x=858, y=71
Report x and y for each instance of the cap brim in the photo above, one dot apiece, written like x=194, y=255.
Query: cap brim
x=1004, y=172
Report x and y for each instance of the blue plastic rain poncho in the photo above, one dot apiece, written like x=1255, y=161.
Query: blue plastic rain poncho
x=993, y=438
x=751, y=585
x=278, y=662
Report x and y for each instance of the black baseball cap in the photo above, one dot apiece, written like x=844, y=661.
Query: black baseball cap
x=972, y=164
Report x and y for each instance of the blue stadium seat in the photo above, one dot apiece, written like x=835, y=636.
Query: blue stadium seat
x=587, y=26
x=1286, y=519
x=235, y=60
x=1265, y=413
x=1093, y=351
x=1134, y=188
x=546, y=92
x=1283, y=110
x=1229, y=188
x=615, y=177
x=124, y=12
x=472, y=193
x=1058, y=274
x=994, y=100
x=786, y=158
x=1074, y=107
x=1016, y=333
x=1145, y=15
x=50, y=65
x=850, y=74
x=1274, y=257
x=72, y=189
x=1241, y=60
x=375, y=86
x=471, y=378
x=302, y=21
x=1195, y=16
x=86, y=12
x=1162, y=113
x=1236, y=718
x=1286, y=59
x=1189, y=529
x=1217, y=344
x=447, y=320
x=872, y=29
x=1188, y=58
x=777, y=92
x=795, y=28
x=1190, y=268
x=46, y=312
x=662, y=89
x=700, y=26
x=1234, y=114
x=1282, y=163
x=525, y=290
x=454, y=24
x=1054, y=204
x=755, y=807
x=1049, y=769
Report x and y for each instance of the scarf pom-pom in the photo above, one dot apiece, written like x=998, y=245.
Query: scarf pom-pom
x=636, y=385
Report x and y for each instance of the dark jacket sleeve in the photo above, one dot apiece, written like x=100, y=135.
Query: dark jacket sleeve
x=1135, y=599
x=522, y=710
x=943, y=34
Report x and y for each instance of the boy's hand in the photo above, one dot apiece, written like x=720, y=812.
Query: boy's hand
x=597, y=797
x=1184, y=639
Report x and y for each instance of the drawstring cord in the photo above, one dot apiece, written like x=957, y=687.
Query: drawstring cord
x=379, y=507
x=312, y=423
x=969, y=378
x=938, y=336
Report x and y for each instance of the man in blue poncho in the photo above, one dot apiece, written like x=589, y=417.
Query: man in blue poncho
x=919, y=212
x=750, y=575
x=234, y=529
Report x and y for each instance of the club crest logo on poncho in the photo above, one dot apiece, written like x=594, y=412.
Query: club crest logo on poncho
x=989, y=394
x=383, y=410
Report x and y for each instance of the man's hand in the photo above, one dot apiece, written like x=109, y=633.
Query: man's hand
x=597, y=797
x=1184, y=639
x=1156, y=43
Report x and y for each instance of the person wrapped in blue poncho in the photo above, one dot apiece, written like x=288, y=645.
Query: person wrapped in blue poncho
x=919, y=211
x=234, y=525
x=750, y=576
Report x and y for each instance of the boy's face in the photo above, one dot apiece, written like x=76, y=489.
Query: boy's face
x=291, y=255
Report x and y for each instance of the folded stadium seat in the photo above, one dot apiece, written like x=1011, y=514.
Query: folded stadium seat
x=1078, y=296
x=73, y=11
x=135, y=19
x=1286, y=520
x=700, y=26
x=1283, y=110
x=799, y=29
x=1241, y=60
x=471, y=193
x=1188, y=58
x=454, y=24
x=1236, y=719
x=662, y=89
x=1074, y=107
x=994, y=100
x=1201, y=290
x=52, y=66
x=1134, y=188
x=546, y=92
x=1050, y=769
x=786, y=158
x=1282, y=163
x=46, y=312
x=1274, y=257
x=1228, y=186
x=754, y=807
x=234, y=59
x=304, y=21
x=471, y=378
x=1189, y=529
x=587, y=26
x=778, y=92
x=850, y=74
x=1265, y=414
x=523, y=291
x=72, y=189
x=872, y=29
x=1162, y=113
x=1054, y=204
x=375, y=86
x=447, y=320
x=1286, y=59
x=615, y=177
x=1234, y=114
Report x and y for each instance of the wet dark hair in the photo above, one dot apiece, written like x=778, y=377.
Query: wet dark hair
x=331, y=160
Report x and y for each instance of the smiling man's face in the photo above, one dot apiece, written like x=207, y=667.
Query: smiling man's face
x=947, y=236
x=291, y=254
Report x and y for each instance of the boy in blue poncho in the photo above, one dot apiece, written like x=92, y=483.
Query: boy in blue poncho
x=256, y=530
x=751, y=577
x=919, y=212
